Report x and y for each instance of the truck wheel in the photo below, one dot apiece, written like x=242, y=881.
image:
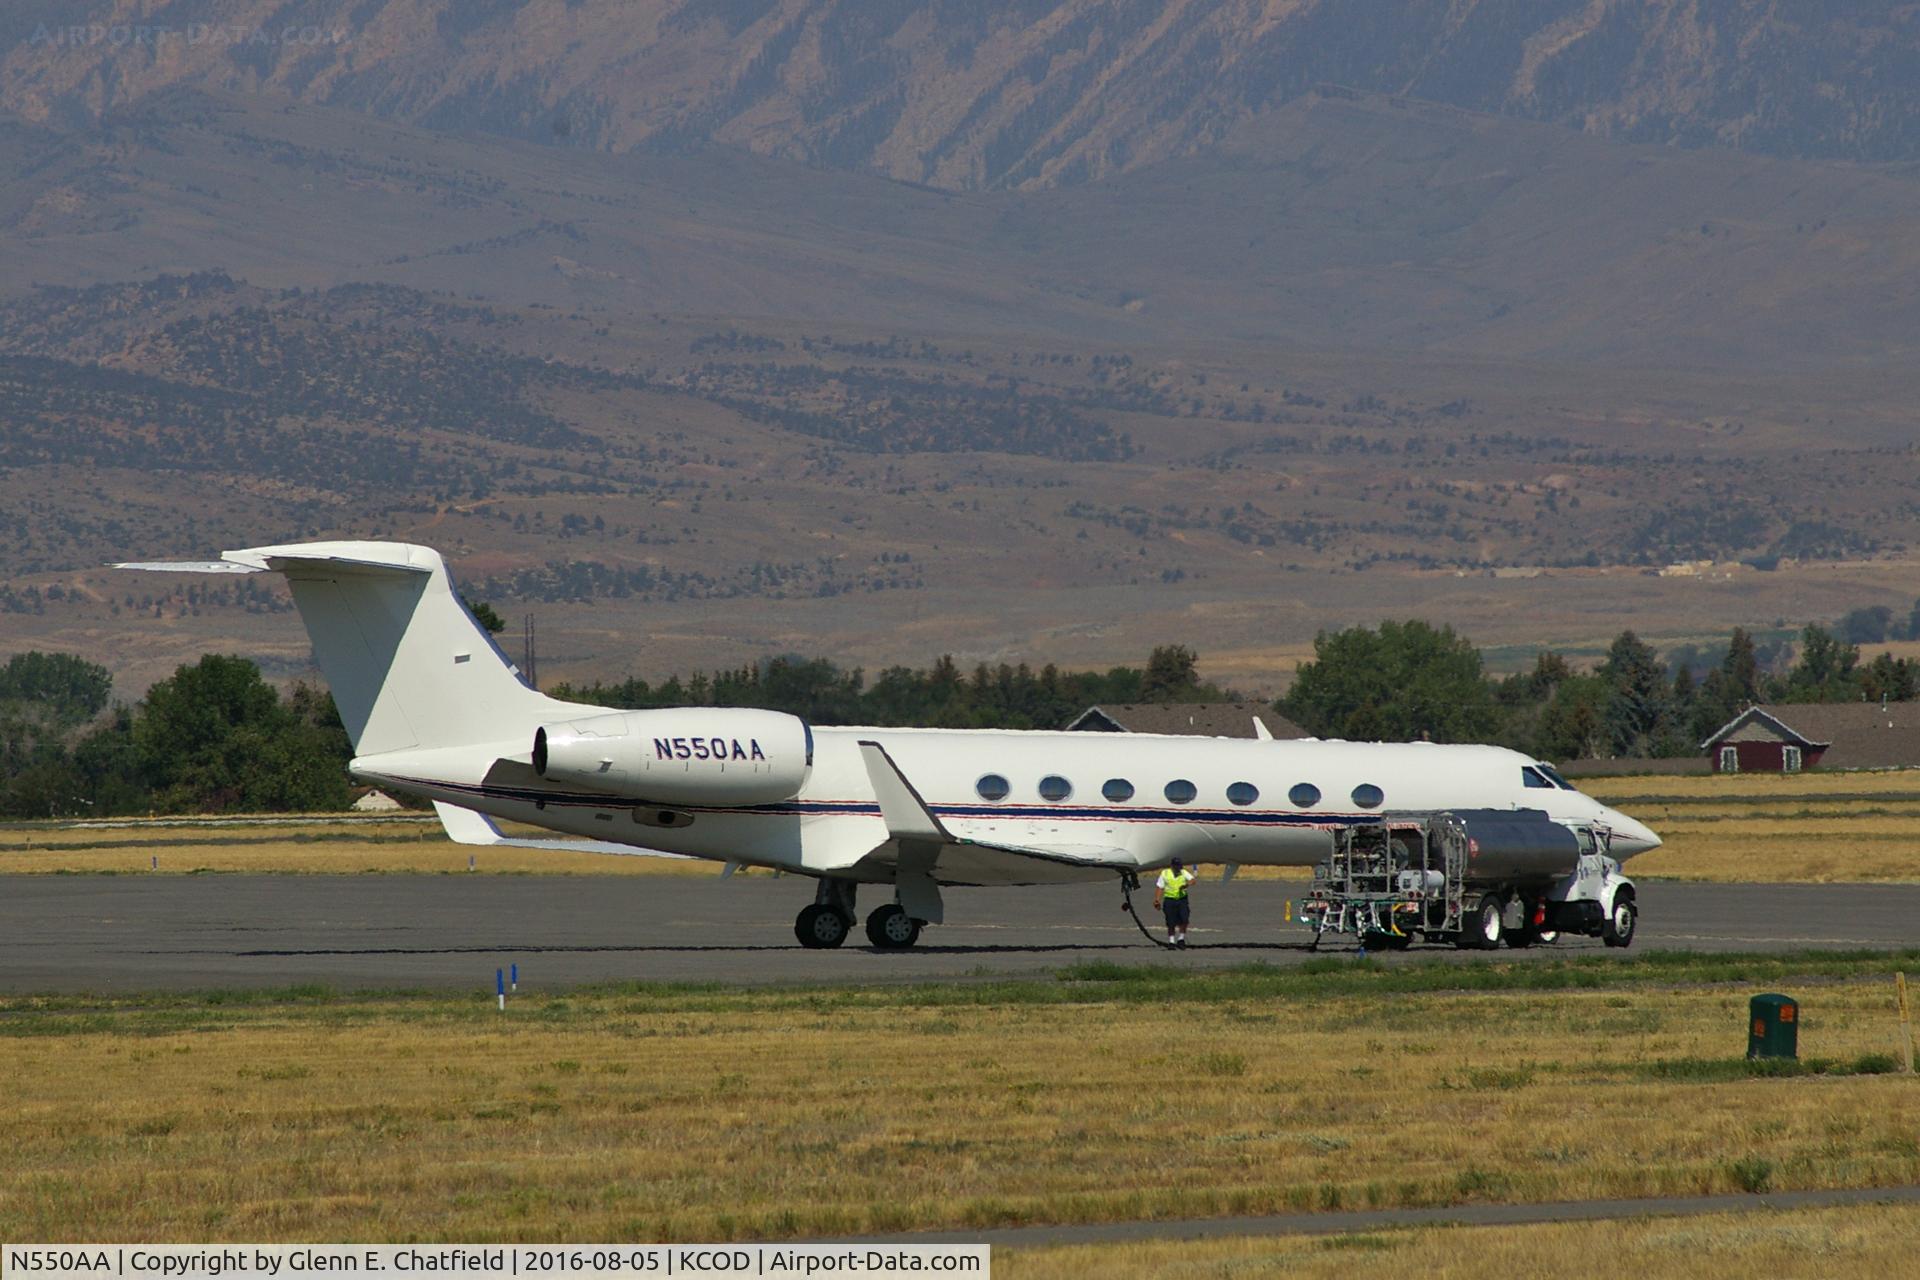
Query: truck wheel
x=1531, y=935
x=1618, y=930
x=1484, y=927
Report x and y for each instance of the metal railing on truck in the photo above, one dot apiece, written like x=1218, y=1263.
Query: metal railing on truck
x=1420, y=872
x=1389, y=878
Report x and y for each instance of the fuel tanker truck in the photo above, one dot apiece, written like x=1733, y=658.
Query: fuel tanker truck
x=1472, y=877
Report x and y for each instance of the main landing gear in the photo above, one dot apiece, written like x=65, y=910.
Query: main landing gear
x=891, y=929
x=827, y=922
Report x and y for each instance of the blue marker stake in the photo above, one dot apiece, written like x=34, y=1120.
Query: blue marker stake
x=514, y=977
x=500, y=987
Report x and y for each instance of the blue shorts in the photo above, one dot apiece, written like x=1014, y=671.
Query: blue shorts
x=1177, y=910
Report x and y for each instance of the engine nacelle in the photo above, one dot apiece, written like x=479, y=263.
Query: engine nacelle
x=720, y=756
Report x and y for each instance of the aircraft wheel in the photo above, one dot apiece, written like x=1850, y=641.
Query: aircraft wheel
x=821, y=926
x=1618, y=931
x=891, y=929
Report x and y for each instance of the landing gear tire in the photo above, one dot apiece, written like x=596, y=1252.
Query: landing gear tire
x=1618, y=930
x=822, y=926
x=890, y=928
x=1484, y=927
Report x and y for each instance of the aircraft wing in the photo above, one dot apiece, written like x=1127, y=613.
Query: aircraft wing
x=467, y=826
x=918, y=841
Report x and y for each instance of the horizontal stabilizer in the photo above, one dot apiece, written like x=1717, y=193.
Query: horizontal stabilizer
x=190, y=566
x=466, y=826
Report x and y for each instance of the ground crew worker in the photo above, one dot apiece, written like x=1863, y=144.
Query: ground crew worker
x=1170, y=896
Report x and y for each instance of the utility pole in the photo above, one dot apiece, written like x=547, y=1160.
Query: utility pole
x=527, y=659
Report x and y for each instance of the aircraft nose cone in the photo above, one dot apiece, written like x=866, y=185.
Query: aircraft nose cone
x=1629, y=836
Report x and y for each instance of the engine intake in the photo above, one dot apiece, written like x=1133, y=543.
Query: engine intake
x=718, y=756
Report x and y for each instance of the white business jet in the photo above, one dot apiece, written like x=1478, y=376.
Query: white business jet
x=433, y=708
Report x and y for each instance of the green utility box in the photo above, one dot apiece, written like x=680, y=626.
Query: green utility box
x=1773, y=1028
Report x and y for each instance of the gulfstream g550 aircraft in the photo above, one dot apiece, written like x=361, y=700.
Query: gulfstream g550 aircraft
x=434, y=709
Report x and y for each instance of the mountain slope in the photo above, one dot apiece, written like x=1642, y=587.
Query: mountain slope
x=1012, y=93
x=1336, y=221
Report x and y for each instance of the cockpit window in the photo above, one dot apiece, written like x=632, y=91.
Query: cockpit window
x=1533, y=777
x=1554, y=774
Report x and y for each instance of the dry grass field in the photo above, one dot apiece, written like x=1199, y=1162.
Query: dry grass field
x=689, y=1113
x=1882, y=1240
x=1807, y=828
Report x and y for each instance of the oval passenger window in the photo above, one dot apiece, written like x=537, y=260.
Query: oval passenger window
x=1304, y=795
x=1368, y=796
x=1117, y=790
x=1055, y=787
x=1243, y=793
x=992, y=787
x=1180, y=791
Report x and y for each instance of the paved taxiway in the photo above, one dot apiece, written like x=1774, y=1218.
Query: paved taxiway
x=127, y=933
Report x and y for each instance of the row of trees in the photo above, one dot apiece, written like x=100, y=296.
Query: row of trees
x=216, y=737
x=212, y=738
x=1411, y=680
x=997, y=697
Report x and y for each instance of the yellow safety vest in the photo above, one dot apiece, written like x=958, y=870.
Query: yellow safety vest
x=1176, y=885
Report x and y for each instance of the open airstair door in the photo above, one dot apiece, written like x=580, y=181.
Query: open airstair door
x=925, y=854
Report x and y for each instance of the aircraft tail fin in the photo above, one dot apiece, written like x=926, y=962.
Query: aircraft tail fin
x=408, y=664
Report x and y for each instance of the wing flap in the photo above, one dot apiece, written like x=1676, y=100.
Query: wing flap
x=977, y=862
x=468, y=826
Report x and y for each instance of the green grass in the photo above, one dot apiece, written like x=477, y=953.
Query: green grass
x=1101, y=982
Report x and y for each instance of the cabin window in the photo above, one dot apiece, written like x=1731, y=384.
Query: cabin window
x=1368, y=796
x=1117, y=790
x=1055, y=787
x=1534, y=778
x=992, y=787
x=1304, y=795
x=1180, y=791
x=1243, y=793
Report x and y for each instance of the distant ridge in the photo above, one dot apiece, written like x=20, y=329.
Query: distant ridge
x=968, y=96
x=1355, y=221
